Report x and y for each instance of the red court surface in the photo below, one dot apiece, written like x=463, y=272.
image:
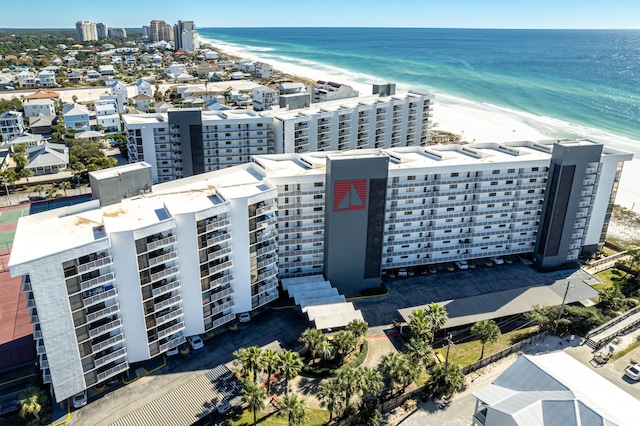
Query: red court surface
x=16, y=343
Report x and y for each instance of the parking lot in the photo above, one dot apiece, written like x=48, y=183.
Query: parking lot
x=444, y=285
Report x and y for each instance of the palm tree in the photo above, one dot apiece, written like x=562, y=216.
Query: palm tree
x=290, y=365
x=358, y=328
x=372, y=382
x=254, y=395
x=39, y=188
x=420, y=351
x=344, y=343
x=437, y=317
x=64, y=186
x=51, y=192
x=418, y=325
x=329, y=395
x=312, y=338
x=269, y=363
x=295, y=410
x=400, y=368
x=31, y=402
x=25, y=174
x=242, y=358
x=326, y=350
x=350, y=380
x=254, y=361
x=485, y=331
x=444, y=380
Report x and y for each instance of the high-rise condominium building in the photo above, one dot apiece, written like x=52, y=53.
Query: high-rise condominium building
x=102, y=30
x=185, y=142
x=86, y=31
x=159, y=30
x=116, y=281
x=182, y=27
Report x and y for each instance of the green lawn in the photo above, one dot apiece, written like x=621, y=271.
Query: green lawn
x=245, y=418
x=608, y=278
x=466, y=353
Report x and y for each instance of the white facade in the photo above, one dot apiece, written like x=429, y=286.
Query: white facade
x=76, y=117
x=176, y=69
x=86, y=31
x=329, y=91
x=127, y=282
x=46, y=78
x=190, y=41
x=358, y=123
x=144, y=87
x=263, y=70
x=34, y=107
x=27, y=78
x=119, y=92
x=11, y=125
x=264, y=98
x=107, y=115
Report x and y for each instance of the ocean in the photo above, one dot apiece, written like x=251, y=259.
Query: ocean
x=583, y=83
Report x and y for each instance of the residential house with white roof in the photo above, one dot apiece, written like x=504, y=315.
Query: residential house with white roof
x=143, y=102
x=264, y=98
x=25, y=138
x=46, y=78
x=107, y=115
x=119, y=92
x=288, y=88
x=76, y=117
x=93, y=76
x=27, y=78
x=144, y=87
x=11, y=125
x=34, y=107
x=325, y=91
x=263, y=70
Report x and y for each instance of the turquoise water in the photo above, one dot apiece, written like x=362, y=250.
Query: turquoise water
x=589, y=78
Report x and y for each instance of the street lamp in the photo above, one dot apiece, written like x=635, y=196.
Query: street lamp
x=564, y=298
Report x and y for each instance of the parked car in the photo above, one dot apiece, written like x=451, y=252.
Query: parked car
x=402, y=272
x=9, y=408
x=462, y=264
x=497, y=260
x=244, y=317
x=224, y=407
x=173, y=351
x=80, y=399
x=633, y=372
x=195, y=342
x=113, y=381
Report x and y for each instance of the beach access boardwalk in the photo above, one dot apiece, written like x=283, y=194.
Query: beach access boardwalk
x=609, y=330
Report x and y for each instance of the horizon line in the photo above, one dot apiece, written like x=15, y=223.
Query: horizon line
x=351, y=27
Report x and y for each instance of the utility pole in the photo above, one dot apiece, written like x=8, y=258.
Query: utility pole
x=450, y=344
x=555, y=330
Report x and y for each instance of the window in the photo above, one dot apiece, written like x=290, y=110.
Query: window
x=408, y=213
x=529, y=202
x=317, y=197
x=507, y=193
x=533, y=180
x=494, y=183
x=486, y=237
x=318, y=184
x=446, y=242
x=535, y=169
x=487, y=227
x=455, y=174
x=447, y=231
x=405, y=246
x=511, y=170
x=492, y=194
x=317, y=209
x=409, y=201
x=411, y=189
x=453, y=186
x=489, y=216
x=411, y=178
x=496, y=172
x=317, y=220
x=491, y=205
x=449, y=220
x=505, y=204
x=450, y=209
x=504, y=214
x=531, y=191
x=509, y=182
x=503, y=225
x=406, y=235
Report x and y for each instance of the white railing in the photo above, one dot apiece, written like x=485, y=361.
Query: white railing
x=99, y=297
x=220, y=253
x=168, y=317
x=264, y=250
x=218, y=224
x=219, y=281
x=104, y=328
x=163, y=259
x=99, y=362
x=113, y=371
x=265, y=209
x=164, y=273
x=223, y=307
x=267, y=274
x=172, y=343
x=103, y=312
x=94, y=282
x=161, y=243
x=103, y=261
x=220, y=294
x=223, y=320
x=107, y=343
x=218, y=239
x=169, y=331
x=166, y=303
x=221, y=267
x=172, y=285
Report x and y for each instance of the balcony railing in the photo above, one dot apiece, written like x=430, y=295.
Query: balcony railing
x=168, y=317
x=103, y=313
x=266, y=209
x=99, y=263
x=113, y=371
x=166, y=303
x=164, y=274
x=107, y=343
x=40, y=349
x=99, y=362
x=163, y=259
x=218, y=224
x=263, y=300
x=221, y=267
x=169, y=331
x=161, y=243
x=221, y=308
x=264, y=250
x=223, y=320
x=172, y=343
x=219, y=281
x=218, y=239
x=267, y=274
x=88, y=301
x=95, y=332
x=172, y=285
x=220, y=294
x=220, y=253
x=94, y=282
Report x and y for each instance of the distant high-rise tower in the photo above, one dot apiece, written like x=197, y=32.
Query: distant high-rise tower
x=179, y=29
x=86, y=31
x=159, y=30
x=146, y=30
x=102, y=30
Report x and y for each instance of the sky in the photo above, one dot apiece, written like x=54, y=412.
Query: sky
x=566, y=14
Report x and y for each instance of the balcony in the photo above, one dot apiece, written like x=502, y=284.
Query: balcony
x=163, y=258
x=258, y=301
x=103, y=313
x=172, y=343
x=213, y=226
x=269, y=248
x=221, y=267
x=102, y=296
x=113, y=371
x=172, y=285
x=269, y=261
x=40, y=348
x=94, y=282
x=168, y=302
x=105, y=328
x=106, y=359
x=219, y=253
x=171, y=330
x=168, y=317
x=216, y=309
x=164, y=274
x=161, y=243
x=267, y=274
x=221, y=238
x=221, y=294
x=96, y=264
x=220, y=281
x=97, y=347
x=265, y=209
x=223, y=320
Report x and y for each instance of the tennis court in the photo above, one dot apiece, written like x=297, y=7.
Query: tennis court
x=6, y=239
x=12, y=216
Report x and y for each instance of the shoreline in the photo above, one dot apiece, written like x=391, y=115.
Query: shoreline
x=475, y=121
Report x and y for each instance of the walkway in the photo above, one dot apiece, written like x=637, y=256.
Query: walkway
x=611, y=329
